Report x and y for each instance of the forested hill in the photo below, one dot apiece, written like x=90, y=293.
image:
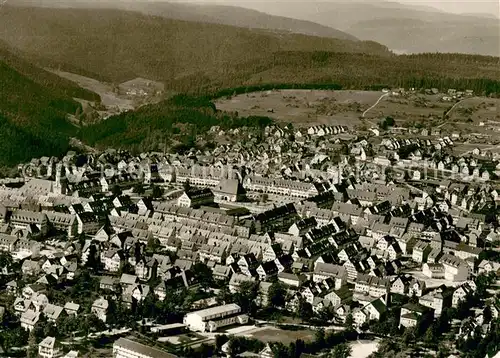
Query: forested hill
x=202, y=12
x=33, y=109
x=120, y=45
x=354, y=71
x=56, y=84
x=190, y=58
x=174, y=123
x=182, y=120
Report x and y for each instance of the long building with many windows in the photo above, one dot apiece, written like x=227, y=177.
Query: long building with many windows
x=211, y=319
x=126, y=348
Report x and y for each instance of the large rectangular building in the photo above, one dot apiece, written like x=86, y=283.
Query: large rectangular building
x=126, y=348
x=211, y=319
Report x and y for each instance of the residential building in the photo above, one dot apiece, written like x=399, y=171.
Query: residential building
x=456, y=269
x=100, y=308
x=194, y=198
x=47, y=348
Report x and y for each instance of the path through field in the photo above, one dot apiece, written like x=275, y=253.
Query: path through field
x=376, y=103
x=108, y=97
x=456, y=104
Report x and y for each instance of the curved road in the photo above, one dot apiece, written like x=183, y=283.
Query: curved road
x=456, y=104
x=376, y=103
x=451, y=109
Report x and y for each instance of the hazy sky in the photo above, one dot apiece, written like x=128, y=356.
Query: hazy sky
x=460, y=6
x=456, y=6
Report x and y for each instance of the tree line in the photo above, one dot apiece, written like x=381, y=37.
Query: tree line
x=348, y=71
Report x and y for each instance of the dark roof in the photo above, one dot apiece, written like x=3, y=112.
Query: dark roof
x=281, y=211
x=269, y=267
x=87, y=217
x=228, y=186
x=322, y=198
x=306, y=223
x=199, y=193
x=78, y=208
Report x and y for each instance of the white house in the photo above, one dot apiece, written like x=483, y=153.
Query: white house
x=456, y=269
x=323, y=271
x=193, y=198
x=461, y=293
x=100, y=308
x=48, y=349
x=29, y=318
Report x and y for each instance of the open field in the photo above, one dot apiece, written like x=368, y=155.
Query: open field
x=303, y=107
x=189, y=338
x=109, y=99
x=478, y=109
x=311, y=107
x=466, y=148
x=476, y=115
x=284, y=336
x=432, y=282
x=362, y=349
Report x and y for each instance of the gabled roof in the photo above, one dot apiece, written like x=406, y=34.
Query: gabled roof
x=415, y=307
x=269, y=267
x=228, y=186
x=198, y=193
x=128, y=279
x=71, y=306
x=101, y=303
x=379, y=305
x=52, y=311
x=330, y=269
x=48, y=342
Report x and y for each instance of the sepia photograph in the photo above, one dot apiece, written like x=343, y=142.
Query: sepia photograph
x=250, y=178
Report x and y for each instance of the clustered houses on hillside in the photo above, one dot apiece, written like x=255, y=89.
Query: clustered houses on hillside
x=309, y=211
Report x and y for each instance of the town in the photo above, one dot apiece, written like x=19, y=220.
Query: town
x=288, y=242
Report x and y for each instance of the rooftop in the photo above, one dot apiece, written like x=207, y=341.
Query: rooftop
x=146, y=351
x=216, y=310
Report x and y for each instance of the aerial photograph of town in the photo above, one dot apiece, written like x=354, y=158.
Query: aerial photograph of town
x=250, y=178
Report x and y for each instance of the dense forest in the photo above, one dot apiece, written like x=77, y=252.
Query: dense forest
x=57, y=85
x=20, y=143
x=337, y=70
x=32, y=118
x=209, y=13
x=120, y=45
x=174, y=123
x=116, y=46
x=34, y=107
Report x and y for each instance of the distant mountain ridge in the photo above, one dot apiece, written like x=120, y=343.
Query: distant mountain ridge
x=203, y=12
x=424, y=30
x=119, y=45
x=189, y=57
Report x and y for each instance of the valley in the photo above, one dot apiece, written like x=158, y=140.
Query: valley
x=197, y=180
x=110, y=99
